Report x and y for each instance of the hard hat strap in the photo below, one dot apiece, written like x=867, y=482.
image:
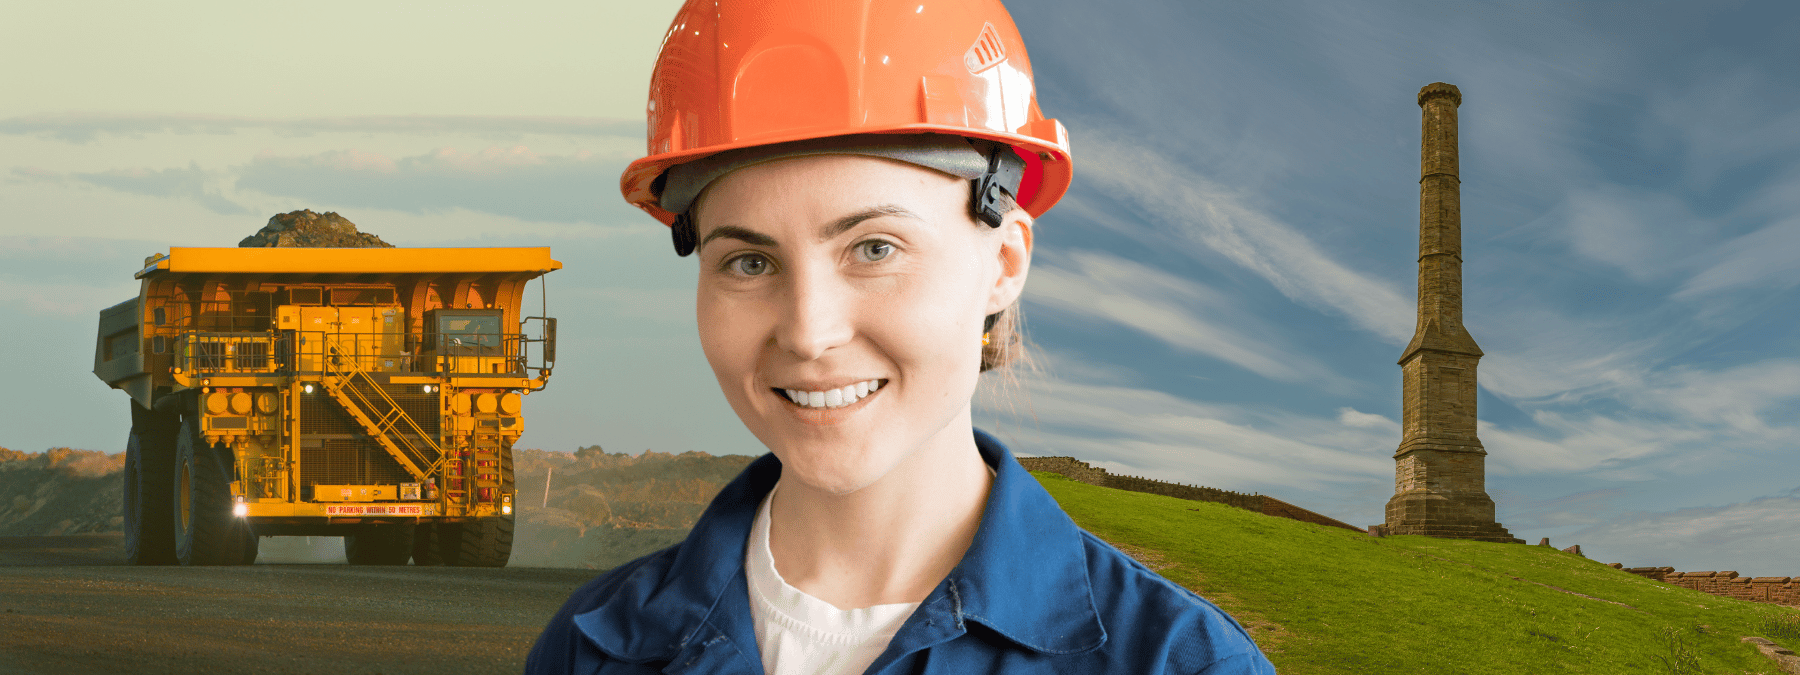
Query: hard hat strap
x=684, y=233
x=993, y=197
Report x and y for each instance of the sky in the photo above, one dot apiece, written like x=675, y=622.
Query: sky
x=1220, y=300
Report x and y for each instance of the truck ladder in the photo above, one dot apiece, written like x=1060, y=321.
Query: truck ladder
x=379, y=415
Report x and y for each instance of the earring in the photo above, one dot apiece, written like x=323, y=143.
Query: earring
x=984, y=339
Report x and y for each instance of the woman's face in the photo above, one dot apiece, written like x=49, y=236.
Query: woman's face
x=824, y=275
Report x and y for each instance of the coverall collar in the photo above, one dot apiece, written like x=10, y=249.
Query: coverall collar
x=1023, y=577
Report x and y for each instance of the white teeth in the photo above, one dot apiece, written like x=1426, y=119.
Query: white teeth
x=833, y=398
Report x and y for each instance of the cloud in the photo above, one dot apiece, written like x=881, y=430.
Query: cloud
x=1645, y=234
x=1352, y=417
x=1180, y=312
x=1683, y=417
x=1756, y=537
x=1729, y=118
x=1760, y=259
x=189, y=183
x=510, y=181
x=67, y=280
x=58, y=300
x=84, y=128
x=1204, y=212
x=1155, y=434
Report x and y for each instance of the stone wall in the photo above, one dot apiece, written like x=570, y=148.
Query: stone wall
x=1773, y=590
x=1082, y=471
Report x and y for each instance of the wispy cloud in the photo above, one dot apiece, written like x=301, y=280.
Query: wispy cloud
x=1685, y=418
x=1202, y=211
x=182, y=183
x=1160, y=435
x=511, y=181
x=1182, y=313
x=1761, y=259
x=70, y=300
x=86, y=127
x=1646, y=235
x=1761, y=532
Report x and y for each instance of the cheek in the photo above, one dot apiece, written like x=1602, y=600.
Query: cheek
x=728, y=332
x=932, y=320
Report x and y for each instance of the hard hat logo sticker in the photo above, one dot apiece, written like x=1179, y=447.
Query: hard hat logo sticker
x=987, y=51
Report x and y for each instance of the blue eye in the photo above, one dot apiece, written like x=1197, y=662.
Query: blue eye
x=748, y=265
x=876, y=249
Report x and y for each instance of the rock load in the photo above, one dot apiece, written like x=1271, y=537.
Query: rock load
x=306, y=229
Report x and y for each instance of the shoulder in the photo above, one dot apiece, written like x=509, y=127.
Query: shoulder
x=562, y=647
x=1147, y=616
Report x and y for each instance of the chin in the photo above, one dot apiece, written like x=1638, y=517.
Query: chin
x=831, y=473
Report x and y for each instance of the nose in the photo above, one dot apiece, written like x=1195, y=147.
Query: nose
x=816, y=315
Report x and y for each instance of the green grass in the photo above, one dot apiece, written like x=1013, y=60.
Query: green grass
x=1328, y=600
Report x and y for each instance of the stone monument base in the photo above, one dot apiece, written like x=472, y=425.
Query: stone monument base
x=1479, y=532
x=1450, y=516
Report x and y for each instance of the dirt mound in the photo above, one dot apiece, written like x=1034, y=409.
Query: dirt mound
x=60, y=491
x=305, y=229
x=604, y=509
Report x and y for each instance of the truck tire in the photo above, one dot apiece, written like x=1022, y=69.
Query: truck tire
x=206, y=533
x=481, y=542
x=251, y=544
x=149, y=461
x=426, y=550
x=379, y=545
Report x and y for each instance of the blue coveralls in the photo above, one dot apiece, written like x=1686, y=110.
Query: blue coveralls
x=1033, y=594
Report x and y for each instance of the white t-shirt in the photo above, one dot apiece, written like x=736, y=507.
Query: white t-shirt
x=799, y=634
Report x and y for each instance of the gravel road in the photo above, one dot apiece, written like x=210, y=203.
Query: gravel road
x=67, y=606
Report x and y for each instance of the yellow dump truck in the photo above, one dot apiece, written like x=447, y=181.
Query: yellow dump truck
x=368, y=393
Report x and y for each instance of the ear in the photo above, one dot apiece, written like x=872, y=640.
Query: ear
x=1014, y=258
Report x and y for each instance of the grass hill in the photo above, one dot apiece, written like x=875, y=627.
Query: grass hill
x=1323, y=600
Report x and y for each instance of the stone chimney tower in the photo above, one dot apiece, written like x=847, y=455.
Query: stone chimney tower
x=1440, y=474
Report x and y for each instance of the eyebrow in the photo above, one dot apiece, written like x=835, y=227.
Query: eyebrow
x=832, y=229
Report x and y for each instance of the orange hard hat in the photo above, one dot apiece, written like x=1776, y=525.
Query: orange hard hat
x=743, y=73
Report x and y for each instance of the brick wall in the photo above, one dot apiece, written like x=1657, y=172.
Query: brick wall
x=1774, y=590
x=1082, y=471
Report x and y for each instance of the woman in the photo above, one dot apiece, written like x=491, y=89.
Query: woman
x=859, y=182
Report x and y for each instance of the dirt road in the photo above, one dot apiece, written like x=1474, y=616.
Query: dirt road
x=66, y=606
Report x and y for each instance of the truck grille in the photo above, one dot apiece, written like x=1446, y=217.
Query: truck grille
x=347, y=456
x=320, y=415
x=350, y=462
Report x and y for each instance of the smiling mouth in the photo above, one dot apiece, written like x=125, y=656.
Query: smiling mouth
x=830, y=398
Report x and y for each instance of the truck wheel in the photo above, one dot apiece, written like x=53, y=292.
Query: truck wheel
x=205, y=531
x=481, y=542
x=426, y=550
x=251, y=544
x=379, y=545
x=149, y=461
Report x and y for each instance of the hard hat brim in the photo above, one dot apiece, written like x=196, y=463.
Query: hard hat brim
x=1044, y=146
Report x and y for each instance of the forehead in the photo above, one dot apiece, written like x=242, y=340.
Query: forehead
x=823, y=186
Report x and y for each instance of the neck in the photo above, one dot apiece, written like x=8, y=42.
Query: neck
x=892, y=541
